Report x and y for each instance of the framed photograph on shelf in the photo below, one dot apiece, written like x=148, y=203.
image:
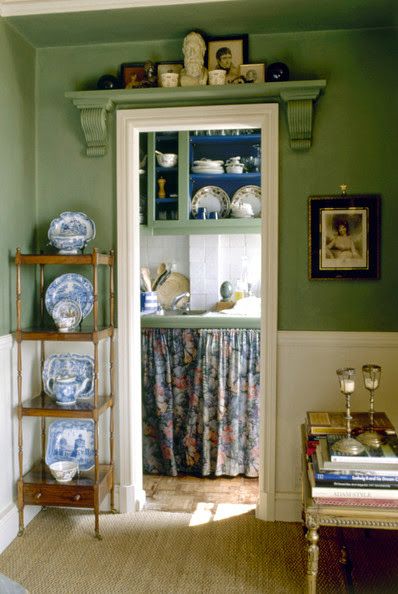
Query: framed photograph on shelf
x=132, y=75
x=163, y=67
x=227, y=53
x=344, y=237
x=253, y=73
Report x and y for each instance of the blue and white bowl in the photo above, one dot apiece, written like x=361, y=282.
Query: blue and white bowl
x=69, y=244
x=71, y=231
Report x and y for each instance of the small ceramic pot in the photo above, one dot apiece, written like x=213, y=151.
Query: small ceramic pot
x=217, y=77
x=68, y=244
x=169, y=79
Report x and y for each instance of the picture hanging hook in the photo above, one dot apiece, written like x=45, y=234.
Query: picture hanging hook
x=343, y=189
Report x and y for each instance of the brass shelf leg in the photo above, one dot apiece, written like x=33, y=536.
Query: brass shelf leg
x=313, y=556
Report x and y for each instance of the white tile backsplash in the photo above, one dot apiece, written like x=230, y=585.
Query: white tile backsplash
x=208, y=260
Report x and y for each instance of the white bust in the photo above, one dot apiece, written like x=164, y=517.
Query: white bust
x=193, y=73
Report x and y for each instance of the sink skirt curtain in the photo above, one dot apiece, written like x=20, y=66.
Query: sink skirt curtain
x=201, y=401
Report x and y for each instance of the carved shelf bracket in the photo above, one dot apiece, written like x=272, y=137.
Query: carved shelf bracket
x=300, y=107
x=298, y=96
x=93, y=119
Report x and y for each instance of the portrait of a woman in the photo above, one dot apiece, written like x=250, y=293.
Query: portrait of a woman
x=342, y=245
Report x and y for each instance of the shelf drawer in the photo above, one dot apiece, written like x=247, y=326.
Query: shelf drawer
x=58, y=495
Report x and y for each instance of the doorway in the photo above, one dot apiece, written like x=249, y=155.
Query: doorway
x=131, y=123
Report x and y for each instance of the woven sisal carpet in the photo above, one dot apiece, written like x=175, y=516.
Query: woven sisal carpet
x=160, y=553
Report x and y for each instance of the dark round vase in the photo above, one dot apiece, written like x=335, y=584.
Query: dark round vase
x=108, y=81
x=277, y=72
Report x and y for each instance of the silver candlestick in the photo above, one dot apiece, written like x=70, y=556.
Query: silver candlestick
x=347, y=445
x=371, y=377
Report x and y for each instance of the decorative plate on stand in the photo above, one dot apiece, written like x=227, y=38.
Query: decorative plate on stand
x=72, y=440
x=70, y=287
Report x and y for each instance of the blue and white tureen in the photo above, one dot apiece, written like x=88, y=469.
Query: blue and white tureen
x=71, y=231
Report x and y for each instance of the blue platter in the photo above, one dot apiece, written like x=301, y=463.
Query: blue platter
x=71, y=440
x=80, y=366
x=70, y=287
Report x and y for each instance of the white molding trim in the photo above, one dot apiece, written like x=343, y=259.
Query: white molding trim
x=9, y=523
x=30, y=7
x=6, y=341
x=129, y=125
x=338, y=339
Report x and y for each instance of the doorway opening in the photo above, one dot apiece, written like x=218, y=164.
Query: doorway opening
x=132, y=125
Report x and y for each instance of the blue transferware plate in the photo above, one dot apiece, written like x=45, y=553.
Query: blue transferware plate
x=70, y=287
x=71, y=440
x=80, y=366
x=72, y=223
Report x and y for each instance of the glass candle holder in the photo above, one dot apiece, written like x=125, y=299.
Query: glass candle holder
x=347, y=445
x=371, y=378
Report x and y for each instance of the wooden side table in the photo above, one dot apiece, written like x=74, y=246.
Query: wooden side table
x=347, y=516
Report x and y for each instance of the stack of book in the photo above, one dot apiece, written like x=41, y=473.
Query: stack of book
x=368, y=479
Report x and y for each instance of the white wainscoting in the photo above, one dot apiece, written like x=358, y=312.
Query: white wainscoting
x=9, y=432
x=307, y=363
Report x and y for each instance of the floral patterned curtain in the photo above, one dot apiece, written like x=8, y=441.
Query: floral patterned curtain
x=201, y=401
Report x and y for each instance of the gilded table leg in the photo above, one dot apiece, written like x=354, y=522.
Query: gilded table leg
x=312, y=554
x=345, y=561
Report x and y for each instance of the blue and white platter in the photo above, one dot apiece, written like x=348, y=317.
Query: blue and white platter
x=71, y=440
x=69, y=364
x=71, y=231
x=70, y=287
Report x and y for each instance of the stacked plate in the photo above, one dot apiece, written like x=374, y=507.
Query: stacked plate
x=208, y=166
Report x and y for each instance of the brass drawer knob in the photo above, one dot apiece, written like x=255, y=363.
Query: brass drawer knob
x=77, y=497
x=38, y=495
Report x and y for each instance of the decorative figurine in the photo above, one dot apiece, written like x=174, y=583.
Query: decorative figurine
x=193, y=73
x=150, y=78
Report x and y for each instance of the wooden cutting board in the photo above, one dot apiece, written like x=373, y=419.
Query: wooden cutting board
x=175, y=284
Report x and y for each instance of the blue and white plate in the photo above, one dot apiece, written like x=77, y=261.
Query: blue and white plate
x=67, y=364
x=71, y=231
x=71, y=440
x=70, y=287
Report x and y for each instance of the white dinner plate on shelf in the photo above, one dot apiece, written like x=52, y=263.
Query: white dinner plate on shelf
x=249, y=195
x=213, y=198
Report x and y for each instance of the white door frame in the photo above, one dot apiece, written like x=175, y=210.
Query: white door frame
x=130, y=123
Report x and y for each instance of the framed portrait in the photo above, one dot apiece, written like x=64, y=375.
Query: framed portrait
x=253, y=73
x=163, y=67
x=344, y=237
x=132, y=75
x=227, y=53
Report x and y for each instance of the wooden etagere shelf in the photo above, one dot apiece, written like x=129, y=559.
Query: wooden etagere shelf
x=37, y=486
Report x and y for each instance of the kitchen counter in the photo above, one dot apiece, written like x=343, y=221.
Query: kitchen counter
x=199, y=321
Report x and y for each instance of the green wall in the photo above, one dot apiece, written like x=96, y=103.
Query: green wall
x=354, y=143
x=17, y=168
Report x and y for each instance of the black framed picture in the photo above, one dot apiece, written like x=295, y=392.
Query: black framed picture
x=228, y=53
x=132, y=75
x=344, y=237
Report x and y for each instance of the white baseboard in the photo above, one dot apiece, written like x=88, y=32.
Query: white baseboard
x=9, y=523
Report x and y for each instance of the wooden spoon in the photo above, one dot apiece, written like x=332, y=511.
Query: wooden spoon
x=146, y=277
x=161, y=269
